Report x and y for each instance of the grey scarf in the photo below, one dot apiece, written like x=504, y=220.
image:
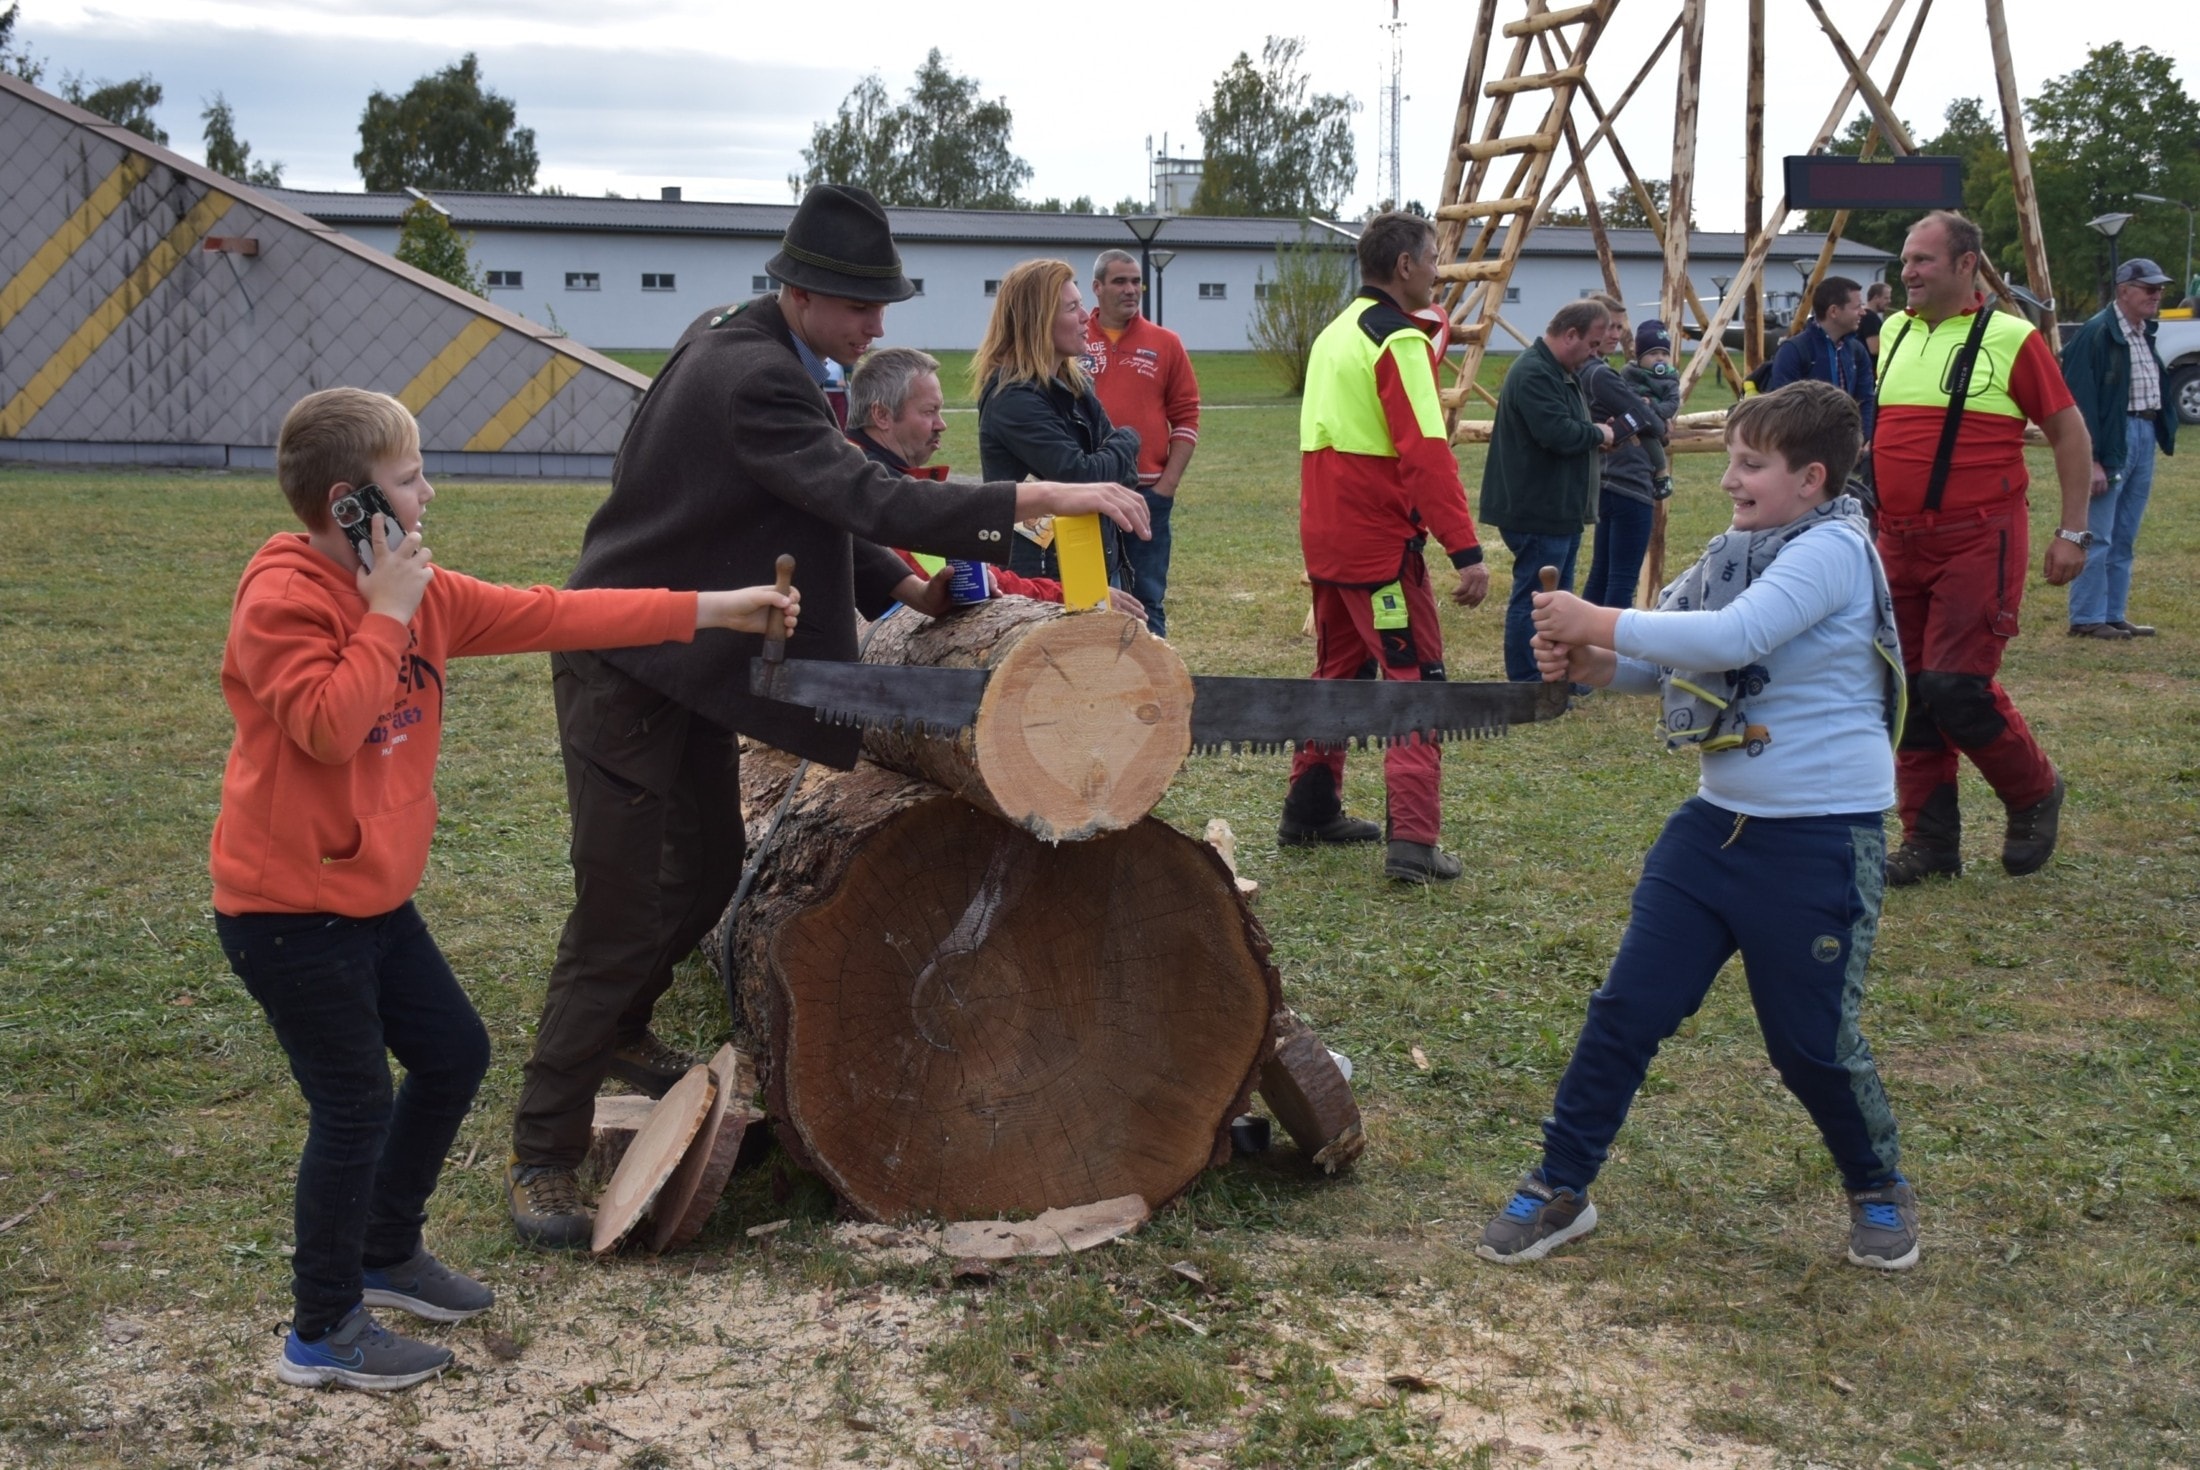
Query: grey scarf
x=1711, y=711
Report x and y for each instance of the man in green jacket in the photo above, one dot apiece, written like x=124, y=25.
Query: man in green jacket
x=2115, y=374
x=1539, y=484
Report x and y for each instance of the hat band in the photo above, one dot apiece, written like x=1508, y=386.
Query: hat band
x=844, y=267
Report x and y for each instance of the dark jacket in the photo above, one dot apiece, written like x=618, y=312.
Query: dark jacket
x=1847, y=364
x=1046, y=432
x=1626, y=470
x=733, y=458
x=2097, y=366
x=1541, y=475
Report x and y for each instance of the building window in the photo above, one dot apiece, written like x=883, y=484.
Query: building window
x=504, y=280
x=656, y=282
x=1213, y=291
x=1512, y=295
x=1260, y=290
x=992, y=288
x=761, y=285
x=583, y=281
x=918, y=282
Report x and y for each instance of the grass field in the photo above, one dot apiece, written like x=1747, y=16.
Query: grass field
x=2040, y=1041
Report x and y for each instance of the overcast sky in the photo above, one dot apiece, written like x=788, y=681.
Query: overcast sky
x=720, y=99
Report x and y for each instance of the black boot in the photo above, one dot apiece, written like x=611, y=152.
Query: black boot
x=1312, y=814
x=2029, y=840
x=1934, y=848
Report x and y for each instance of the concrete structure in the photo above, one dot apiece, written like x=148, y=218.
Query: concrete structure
x=154, y=312
x=633, y=273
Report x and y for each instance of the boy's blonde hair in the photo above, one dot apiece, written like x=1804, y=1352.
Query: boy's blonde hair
x=1805, y=423
x=1019, y=340
x=335, y=436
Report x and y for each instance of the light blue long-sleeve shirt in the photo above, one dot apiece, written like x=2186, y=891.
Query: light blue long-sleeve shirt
x=1807, y=622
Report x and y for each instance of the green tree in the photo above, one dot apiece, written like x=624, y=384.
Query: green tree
x=426, y=241
x=1271, y=149
x=15, y=58
x=1621, y=210
x=1311, y=283
x=229, y=155
x=446, y=132
x=942, y=147
x=127, y=104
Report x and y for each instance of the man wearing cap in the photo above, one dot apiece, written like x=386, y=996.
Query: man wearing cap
x=732, y=458
x=2115, y=374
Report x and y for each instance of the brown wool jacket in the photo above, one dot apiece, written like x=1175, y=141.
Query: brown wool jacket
x=732, y=458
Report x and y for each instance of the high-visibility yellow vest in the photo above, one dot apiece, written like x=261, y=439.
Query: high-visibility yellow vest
x=1917, y=359
x=1340, y=409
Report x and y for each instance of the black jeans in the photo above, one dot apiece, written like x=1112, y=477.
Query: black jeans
x=343, y=996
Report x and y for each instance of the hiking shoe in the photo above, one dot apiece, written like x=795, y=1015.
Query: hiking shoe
x=1911, y=864
x=360, y=1353
x=1420, y=862
x=2109, y=631
x=1883, y=1226
x=1314, y=814
x=1540, y=1218
x=2029, y=840
x=2133, y=630
x=425, y=1287
x=547, y=1208
x=649, y=1064
x=1339, y=828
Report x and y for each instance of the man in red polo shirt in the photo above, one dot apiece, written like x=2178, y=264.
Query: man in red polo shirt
x=1953, y=534
x=1145, y=381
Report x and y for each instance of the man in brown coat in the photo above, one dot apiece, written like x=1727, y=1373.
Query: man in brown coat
x=733, y=457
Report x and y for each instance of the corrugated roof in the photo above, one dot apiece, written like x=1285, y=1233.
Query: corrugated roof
x=987, y=226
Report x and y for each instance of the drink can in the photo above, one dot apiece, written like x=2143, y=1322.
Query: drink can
x=967, y=582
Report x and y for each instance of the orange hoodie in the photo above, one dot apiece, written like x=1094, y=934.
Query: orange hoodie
x=328, y=798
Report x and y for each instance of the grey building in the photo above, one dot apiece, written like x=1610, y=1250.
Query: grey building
x=632, y=273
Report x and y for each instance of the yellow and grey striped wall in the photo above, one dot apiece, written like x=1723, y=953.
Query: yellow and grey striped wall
x=154, y=312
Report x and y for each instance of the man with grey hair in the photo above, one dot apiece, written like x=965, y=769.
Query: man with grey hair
x=1145, y=381
x=894, y=401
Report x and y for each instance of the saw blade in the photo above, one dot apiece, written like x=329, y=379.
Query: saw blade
x=873, y=696
x=1274, y=715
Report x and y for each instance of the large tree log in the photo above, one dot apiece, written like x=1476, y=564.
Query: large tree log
x=953, y=1019
x=1085, y=721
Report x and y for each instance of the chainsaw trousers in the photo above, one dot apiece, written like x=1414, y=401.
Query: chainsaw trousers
x=1348, y=645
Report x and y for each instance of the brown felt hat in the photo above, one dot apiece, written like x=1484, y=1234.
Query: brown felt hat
x=839, y=244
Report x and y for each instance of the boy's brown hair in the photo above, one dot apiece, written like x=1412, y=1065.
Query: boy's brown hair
x=1804, y=423
x=335, y=436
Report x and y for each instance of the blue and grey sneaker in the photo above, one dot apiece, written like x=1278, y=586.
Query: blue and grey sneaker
x=1540, y=1218
x=360, y=1353
x=425, y=1287
x=1883, y=1226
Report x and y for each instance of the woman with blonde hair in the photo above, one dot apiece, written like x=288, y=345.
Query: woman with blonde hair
x=1038, y=417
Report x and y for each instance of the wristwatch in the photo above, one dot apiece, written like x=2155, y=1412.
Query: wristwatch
x=2085, y=539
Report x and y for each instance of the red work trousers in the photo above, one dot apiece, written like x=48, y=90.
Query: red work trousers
x=1958, y=580
x=1348, y=645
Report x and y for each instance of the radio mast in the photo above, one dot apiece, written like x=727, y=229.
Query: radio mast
x=1390, y=109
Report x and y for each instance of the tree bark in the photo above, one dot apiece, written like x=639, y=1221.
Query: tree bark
x=1086, y=717
x=954, y=1019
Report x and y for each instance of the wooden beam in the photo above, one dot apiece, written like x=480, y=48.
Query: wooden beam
x=1681, y=183
x=1591, y=212
x=1548, y=20
x=1753, y=180
x=1871, y=143
x=1470, y=270
x=1604, y=126
x=1447, y=234
x=1504, y=147
x=2020, y=168
x=1533, y=82
x=1485, y=209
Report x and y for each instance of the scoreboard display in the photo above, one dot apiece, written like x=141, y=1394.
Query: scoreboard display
x=1836, y=181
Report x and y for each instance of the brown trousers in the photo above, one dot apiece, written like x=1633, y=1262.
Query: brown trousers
x=655, y=795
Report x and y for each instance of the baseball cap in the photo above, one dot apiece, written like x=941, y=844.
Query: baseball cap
x=2142, y=270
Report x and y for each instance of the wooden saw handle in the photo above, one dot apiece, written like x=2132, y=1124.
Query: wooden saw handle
x=775, y=620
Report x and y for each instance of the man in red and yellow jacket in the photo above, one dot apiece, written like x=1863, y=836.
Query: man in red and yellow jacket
x=1951, y=481
x=1376, y=480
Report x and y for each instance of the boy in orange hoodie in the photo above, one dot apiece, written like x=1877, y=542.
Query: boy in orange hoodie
x=334, y=674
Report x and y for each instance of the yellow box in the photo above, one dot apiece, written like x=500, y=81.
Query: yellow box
x=1084, y=561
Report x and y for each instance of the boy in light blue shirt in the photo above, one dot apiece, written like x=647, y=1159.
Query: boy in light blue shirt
x=1776, y=659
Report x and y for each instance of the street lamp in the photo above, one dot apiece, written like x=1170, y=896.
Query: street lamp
x=1161, y=259
x=2188, y=209
x=2109, y=227
x=1145, y=227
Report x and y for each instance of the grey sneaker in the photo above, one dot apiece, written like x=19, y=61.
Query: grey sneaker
x=546, y=1206
x=1883, y=1226
x=649, y=1064
x=1420, y=862
x=1540, y=1219
x=427, y=1288
x=360, y=1353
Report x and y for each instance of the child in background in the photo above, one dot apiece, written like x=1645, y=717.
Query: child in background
x=334, y=674
x=1651, y=374
x=1780, y=854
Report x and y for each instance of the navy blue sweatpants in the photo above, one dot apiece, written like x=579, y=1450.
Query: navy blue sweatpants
x=1799, y=897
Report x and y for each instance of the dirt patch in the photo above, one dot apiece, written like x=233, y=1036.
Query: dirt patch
x=688, y=1364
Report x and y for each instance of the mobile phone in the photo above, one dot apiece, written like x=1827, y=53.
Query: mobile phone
x=355, y=513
